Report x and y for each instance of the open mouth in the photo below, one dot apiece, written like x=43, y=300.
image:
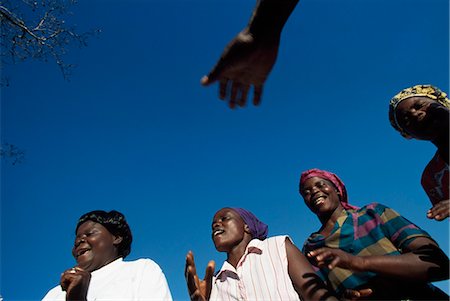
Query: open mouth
x=320, y=200
x=81, y=252
x=218, y=232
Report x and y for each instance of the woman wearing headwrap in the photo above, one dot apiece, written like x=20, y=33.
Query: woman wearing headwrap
x=372, y=247
x=103, y=240
x=422, y=112
x=257, y=267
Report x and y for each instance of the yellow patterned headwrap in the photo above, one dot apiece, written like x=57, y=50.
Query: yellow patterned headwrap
x=429, y=91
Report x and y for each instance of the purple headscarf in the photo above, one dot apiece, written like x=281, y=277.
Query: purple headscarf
x=257, y=228
x=333, y=179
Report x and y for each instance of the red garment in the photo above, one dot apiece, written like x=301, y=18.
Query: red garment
x=435, y=179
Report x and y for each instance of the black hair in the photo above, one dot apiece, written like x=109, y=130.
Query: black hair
x=115, y=223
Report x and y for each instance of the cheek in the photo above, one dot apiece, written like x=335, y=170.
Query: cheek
x=308, y=204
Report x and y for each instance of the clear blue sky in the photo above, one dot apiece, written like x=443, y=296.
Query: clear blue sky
x=135, y=131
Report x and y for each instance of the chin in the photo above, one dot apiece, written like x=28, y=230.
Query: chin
x=219, y=247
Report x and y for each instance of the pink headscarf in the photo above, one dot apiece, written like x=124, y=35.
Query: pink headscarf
x=333, y=179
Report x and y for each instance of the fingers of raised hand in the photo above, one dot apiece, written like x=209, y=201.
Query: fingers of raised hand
x=440, y=211
x=205, y=80
x=210, y=270
x=189, y=269
x=236, y=92
x=223, y=88
x=207, y=281
x=257, y=93
x=192, y=284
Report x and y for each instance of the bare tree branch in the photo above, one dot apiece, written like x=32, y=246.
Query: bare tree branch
x=38, y=30
x=11, y=153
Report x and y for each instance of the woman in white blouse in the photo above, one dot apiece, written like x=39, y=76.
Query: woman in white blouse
x=103, y=240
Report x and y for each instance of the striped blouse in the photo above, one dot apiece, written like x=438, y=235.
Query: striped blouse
x=261, y=274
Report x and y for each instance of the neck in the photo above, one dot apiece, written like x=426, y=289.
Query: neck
x=328, y=221
x=236, y=252
x=441, y=143
x=442, y=130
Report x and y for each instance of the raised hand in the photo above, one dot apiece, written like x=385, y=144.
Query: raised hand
x=440, y=211
x=199, y=290
x=75, y=282
x=246, y=62
x=248, y=59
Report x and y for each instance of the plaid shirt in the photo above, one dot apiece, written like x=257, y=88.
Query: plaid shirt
x=371, y=230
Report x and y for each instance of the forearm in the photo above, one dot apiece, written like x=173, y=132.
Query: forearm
x=427, y=264
x=305, y=281
x=269, y=17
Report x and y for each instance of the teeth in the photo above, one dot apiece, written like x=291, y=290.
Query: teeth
x=217, y=232
x=81, y=252
x=319, y=200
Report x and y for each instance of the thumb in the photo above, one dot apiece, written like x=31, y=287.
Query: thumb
x=206, y=80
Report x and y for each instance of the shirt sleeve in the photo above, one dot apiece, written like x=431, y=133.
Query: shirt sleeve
x=55, y=294
x=153, y=284
x=397, y=228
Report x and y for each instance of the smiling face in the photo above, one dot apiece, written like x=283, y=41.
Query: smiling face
x=421, y=117
x=229, y=230
x=94, y=246
x=320, y=196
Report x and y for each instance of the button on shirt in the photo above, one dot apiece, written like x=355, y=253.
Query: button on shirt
x=261, y=274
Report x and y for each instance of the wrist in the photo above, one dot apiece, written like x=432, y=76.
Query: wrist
x=360, y=265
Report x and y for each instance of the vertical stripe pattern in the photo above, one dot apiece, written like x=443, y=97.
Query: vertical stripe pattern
x=261, y=274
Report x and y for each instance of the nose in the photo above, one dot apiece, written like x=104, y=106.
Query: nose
x=314, y=189
x=216, y=224
x=79, y=240
x=415, y=113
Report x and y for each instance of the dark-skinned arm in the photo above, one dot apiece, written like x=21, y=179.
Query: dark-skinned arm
x=269, y=17
x=306, y=282
x=248, y=59
x=422, y=260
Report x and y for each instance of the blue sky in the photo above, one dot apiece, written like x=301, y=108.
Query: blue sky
x=134, y=130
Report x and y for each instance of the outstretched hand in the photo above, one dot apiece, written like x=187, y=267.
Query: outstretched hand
x=440, y=211
x=245, y=62
x=199, y=290
x=331, y=258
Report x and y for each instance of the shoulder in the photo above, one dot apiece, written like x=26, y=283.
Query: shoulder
x=55, y=294
x=376, y=208
x=436, y=165
x=376, y=211
x=142, y=264
x=279, y=239
x=268, y=243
